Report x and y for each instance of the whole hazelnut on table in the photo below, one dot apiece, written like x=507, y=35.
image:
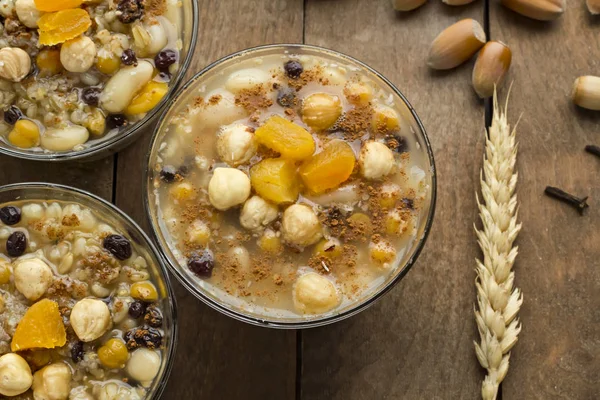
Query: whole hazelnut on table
x=15, y=64
x=32, y=277
x=52, y=382
x=228, y=188
x=257, y=213
x=300, y=225
x=90, y=319
x=315, y=294
x=376, y=160
x=236, y=144
x=15, y=375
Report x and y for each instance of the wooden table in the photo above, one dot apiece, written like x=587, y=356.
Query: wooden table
x=417, y=342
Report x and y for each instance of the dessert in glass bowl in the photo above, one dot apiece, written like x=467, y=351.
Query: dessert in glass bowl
x=85, y=310
x=290, y=185
x=75, y=75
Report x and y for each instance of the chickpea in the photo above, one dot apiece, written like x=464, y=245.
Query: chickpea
x=5, y=272
x=301, y=226
x=376, y=160
x=144, y=291
x=32, y=277
x=314, y=294
x=52, y=382
x=25, y=134
x=236, y=144
x=331, y=248
x=113, y=354
x=90, y=319
x=183, y=191
x=257, y=213
x=358, y=93
x=382, y=252
x=198, y=233
x=15, y=375
x=321, y=110
x=228, y=188
x=269, y=242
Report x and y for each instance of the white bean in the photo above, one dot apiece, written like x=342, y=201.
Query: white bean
x=143, y=365
x=63, y=139
x=246, y=79
x=65, y=264
x=223, y=113
x=159, y=38
x=32, y=212
x=173, y=12
x=123, y=86
x=54, y=210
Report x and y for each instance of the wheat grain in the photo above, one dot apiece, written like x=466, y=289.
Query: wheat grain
x=498, y=301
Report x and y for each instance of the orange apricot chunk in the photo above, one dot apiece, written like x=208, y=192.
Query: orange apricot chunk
x=40, y=328
x=60, y=26
x=56, y=5
x=285, y=137
x=275, y=180
x=329, y=168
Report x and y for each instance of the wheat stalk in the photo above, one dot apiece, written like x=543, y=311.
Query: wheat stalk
x=498, y=301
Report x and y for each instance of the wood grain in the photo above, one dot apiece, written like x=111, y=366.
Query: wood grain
x=219, y=358
x=558, y=268
x=416, y=343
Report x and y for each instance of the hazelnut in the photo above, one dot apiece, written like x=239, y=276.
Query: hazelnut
x=257, y=213
x=90, y=319
x=15, y=375
x=52, y=382
x=15, y=64
x=321, y=110
x=32, y=277
x=300, y=225
x=314, y=294
x=78, y=55
x=236, y=144
x=376, y=160
x=228, y=187
x=143, y=365
x=27, y=13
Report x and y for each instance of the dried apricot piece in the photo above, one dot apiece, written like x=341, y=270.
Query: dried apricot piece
x=147, y=98
x=40, y=328
x=56, y=5
x=329, y=168
x=285, y=137
x=60, y=26
x=275, y=179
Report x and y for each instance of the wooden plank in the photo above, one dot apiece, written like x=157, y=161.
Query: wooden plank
x=558, y=268
x=417, y=342
x=93, y=176
x=214, y=349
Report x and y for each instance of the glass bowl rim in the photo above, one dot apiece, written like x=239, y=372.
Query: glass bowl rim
x=170, y=353
x=265, y=322
x=106, y=146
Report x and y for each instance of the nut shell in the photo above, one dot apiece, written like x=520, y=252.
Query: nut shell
x=543, y=10
x=586, y=92
x=15, y=64
x=593, y=6
x=407, y=5
x=491, y=68
x=456, y=44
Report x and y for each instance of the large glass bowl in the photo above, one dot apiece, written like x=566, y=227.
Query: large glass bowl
x=105, y=146
x=197, y=286
x=118, y=219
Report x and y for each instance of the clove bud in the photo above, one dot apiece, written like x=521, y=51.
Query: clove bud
x=559, y=194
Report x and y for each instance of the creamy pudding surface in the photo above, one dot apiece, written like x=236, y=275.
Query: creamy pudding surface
x=289, y=186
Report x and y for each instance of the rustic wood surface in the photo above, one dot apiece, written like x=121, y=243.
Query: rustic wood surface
x=416, y=343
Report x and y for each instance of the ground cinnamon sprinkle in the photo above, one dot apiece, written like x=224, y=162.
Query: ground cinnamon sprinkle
x=355, y=122
x=253, y=99
x=215, y=99
x=155, y=7
x=314, y=74
x=70, y=220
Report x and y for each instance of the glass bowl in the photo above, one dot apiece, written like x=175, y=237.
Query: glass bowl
x=200, y=288
x=117, y=218
x=106, y=146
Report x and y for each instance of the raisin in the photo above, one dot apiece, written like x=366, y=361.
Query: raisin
x=408, y=203
x=153, y=316
x=16, y=244
x=202, y=264
x=129, y=58
x=91, y=95
x=77, y=352
x=130, y=10
x=286, y=97
x=151, y=338
x=116, y=121
x=293, y=69
x=10, y=215
x=165, y=59
x=168, y=174
x=12, y=115
x=118, y=246
x=137, y=309
x=131, y=339
x=399, y=144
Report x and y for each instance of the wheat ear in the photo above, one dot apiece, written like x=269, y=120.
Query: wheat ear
x=498, y=301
